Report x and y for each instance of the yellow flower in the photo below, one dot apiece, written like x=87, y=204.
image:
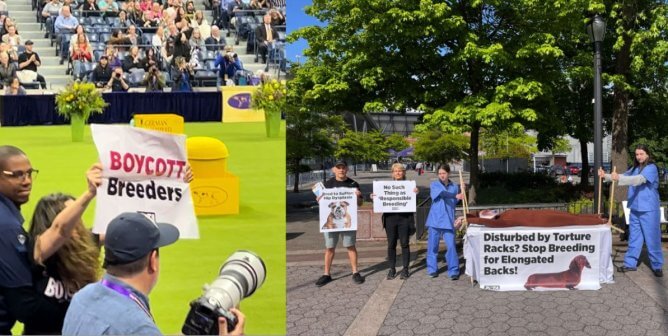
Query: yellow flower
x=270, y=97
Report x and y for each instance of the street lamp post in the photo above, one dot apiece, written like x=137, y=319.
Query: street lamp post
x=596, y=30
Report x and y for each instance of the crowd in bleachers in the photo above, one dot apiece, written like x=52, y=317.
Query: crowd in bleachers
x=152, y=44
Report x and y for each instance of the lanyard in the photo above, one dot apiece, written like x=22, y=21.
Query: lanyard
x=121, y=290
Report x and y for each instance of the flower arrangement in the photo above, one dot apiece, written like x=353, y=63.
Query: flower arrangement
x=270, y=96
x=79, y=99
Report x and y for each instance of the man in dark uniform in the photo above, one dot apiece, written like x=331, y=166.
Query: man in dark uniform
x=341, y=180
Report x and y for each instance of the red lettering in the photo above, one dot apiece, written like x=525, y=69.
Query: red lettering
x=149, y=160
x=128, y=162
x=115, y=160
x=140, y=162
x=171, y=167
x=160, y=167
x=181, y=164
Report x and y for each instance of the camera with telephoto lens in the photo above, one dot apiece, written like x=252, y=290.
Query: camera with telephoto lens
x=241, y=274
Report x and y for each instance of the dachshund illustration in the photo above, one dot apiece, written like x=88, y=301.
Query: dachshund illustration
x=338, y=216
x=566, y=279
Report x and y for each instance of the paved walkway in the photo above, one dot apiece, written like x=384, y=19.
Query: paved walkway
x=636, y=304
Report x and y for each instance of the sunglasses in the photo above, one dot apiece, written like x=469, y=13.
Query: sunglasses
x=20, y=174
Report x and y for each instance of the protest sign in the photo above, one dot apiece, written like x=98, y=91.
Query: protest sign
x=143, y=172
x=573, y=257
x=338, y=210
x=394, y=196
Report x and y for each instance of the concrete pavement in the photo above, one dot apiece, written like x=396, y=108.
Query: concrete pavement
x=636, y=304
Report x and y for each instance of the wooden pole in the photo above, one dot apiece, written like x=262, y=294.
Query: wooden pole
x=600, y=193
x=612, y=196
x=465, y=204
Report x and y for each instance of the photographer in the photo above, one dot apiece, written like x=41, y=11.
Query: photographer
x=228, y=64
x=182, y=72
x=118, y=304
x=116, y=82
x=153, y=80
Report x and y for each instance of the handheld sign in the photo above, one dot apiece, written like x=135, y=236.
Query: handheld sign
x=338, y=210
x=143, y=172
x=394, y=196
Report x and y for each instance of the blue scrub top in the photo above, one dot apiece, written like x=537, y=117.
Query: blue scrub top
x=644, y=197
x=444, y=201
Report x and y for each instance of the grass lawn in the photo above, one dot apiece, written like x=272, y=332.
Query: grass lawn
x=187, y=265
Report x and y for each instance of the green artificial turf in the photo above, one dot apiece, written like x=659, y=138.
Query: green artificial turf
x=186, y=266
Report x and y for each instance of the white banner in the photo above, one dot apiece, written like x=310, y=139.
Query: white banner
x=526, y=258
x=394, y=196
x=143, y=172
x=338, y=210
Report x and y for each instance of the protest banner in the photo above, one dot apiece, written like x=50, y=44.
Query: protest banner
x=143, y=172
x=338, y=210
x=394, y=196
x=522, y=258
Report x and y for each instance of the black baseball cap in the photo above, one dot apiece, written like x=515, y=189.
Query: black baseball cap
x=131, y=236
x=29, y=42
x=341, y=162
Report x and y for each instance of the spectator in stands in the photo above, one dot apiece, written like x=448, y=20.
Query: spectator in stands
x=90, y=8
x=79, y=30
x=117, y=82
x=215, y=41
x=102, y=72
x=153, y=80
x=119, y=40
x=264, y=37
x=199, y=21
x=5, y=48
x=109, y=7
x=190, y=10
x=181, y=15
x=3, y=6
x=167, y=52
x=277, y=3
x=123, y=20
x=158, y=38
x=64, y=27
x=82, y=53
x=181, y=46
x=112, y=57
x=152, y=16
x=132, y=36
x=14, y=88
x=259, y=4
x=182, y=73
x=151, y=60
x=196, y=40
x=133, y=10
x=145, y=5
x=7, y=69
x=28, y=63
x=12, y=37
x=49, y=13
x=277, y=18
x=133, y=60
x=228, y=64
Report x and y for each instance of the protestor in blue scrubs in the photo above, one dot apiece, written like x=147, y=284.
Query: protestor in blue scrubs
x=441, y=223
x=643, y=202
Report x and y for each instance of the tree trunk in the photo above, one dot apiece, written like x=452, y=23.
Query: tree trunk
x=584, y=172
x=295, y=187
x=620, y=112
x=473, y=155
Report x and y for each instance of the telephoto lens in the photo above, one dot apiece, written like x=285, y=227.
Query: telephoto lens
x=239, y=277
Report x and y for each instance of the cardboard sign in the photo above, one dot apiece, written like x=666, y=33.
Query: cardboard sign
x=394, y=196
x=338, y=210
x=143, y=172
